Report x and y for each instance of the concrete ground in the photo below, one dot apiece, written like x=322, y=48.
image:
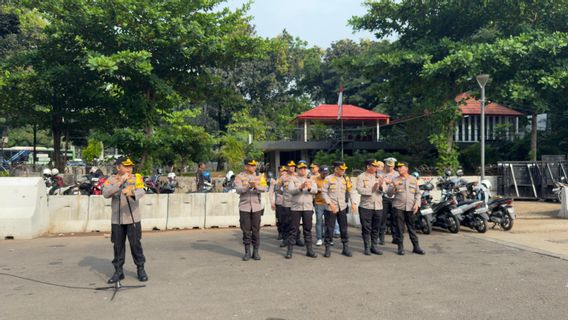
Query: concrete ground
x=198, y=274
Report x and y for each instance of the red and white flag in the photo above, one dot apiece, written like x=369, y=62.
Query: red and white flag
x=340, y=103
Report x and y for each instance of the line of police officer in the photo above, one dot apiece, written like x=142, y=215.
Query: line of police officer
x=389, y=194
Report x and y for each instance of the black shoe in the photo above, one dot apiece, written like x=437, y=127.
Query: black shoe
x=332, y=243
x=116, y=277
x=289, y=253
x=346, y=252
x=142, y=276
x=310, y=251
x=327, y=253
x=394, y=241
x=400, y=251
x=375, y=250
x=246, y=257
x=418, y=251
x=300, y=242
x=255, y=254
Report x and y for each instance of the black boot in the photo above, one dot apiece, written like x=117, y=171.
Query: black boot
x=346, y=252
x=327, y=253
x=255, y=254
x=400, y=251
x=417, y=250
x=382, y=239
x=246, y=257
x=142, y=276
x=116, y=277
x=375, y=250
x=310, y=251
x=366, y=244
x=289, y=253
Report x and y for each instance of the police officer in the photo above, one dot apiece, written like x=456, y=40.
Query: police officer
x=336, y=191
x=287, y=204
x=319, y=203
x=371, y=187
x=276, y=199
x=390, y=173
x=125, y=189
x=406, y=204
x=249, y=187
x=302, y=190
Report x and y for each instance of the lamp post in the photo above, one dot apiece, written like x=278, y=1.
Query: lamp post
x=482, y=81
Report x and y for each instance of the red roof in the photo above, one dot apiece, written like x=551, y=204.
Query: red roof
x=472, y=106
x=350, y=112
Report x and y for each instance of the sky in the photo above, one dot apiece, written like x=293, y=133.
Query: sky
x=319, y=22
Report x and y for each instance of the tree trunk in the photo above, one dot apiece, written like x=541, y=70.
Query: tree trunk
x=148, y=130
x=534, y=135
x=57, y=161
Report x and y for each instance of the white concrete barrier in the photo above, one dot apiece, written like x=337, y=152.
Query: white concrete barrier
x=23, y=208
x=563, y=213
x=99, y=217
x=154, y=211
x=221, y=210
x=186, y=211
x=269, y=216
x=68, y=213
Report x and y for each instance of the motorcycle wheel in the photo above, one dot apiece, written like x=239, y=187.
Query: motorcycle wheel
x=480, y=224
x=453, y=224
x=426, y=225
x=507, y=223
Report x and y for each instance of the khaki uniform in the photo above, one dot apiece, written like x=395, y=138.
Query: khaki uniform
x=302, y=199
x=388, y=210
x=249, y=198
x=406, y=196
x=334, y=191
x=406, y=193
x=286, y=195
x=372, y=200
x=120, y=210
x=276, y=192
x=124, y=223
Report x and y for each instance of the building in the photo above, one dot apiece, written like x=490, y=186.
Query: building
x=320, y=129
x=500, y=122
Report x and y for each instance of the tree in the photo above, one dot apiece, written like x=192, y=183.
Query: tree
x=430, y=31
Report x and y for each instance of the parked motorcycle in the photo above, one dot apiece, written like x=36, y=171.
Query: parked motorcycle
x=474, y=215
x=500, y=210
x=423, y=220
x=445, y=213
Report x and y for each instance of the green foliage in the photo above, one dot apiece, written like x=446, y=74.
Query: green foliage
x=93, y=150
x=24, y=136
x=447, y=155
x=232, y=151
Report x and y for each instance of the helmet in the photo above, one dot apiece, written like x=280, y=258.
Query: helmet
x=448, y=172
x=486, y=183
x=207, y=175
x=171, y=175
x=93, y=169
x=229, y=174
x=158, y=171
x=416, y=174
x=459, y=172
x=46, y=172
x=54, y=172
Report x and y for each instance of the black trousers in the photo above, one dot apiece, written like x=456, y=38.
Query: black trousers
x=405, y=218
x=118, y=235
x=306, y=217
x=250, y=225
x=279, y=224
x=285, y=221
x=330, y=219
x=371, y=221
x=388, y=216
